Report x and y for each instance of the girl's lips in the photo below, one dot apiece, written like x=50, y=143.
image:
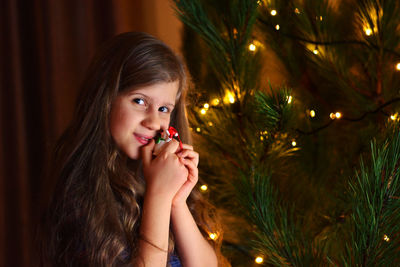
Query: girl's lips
x=144, y=140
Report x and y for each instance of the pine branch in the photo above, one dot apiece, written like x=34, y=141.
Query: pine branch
x=345, y=118
x=351, y=72
x=375, y=214
x=279, y=238
x=330, y=43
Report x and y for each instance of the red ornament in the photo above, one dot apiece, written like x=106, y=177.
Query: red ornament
x=172, y=132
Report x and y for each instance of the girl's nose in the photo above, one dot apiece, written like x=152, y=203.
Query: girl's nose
x=152, y=120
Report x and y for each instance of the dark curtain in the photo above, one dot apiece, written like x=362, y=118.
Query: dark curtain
x=45, y=47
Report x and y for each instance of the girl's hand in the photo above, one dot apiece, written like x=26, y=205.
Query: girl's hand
x=190, y=159
x=166, y=173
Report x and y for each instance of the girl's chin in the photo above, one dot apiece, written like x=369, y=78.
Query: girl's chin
x=132, y=155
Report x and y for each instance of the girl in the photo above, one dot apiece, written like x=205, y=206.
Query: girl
x=115, y=203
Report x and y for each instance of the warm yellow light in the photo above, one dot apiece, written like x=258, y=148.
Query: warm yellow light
x=277, y=27
x=259, y=260
x=393, y=117
x=398, y=66
x=386, y=238
x=297, y=11
x=215, y=102
x=262, y=138
x=206, y=105
x=229, y=97
x=252, y=47
x=368, y=31
x=371, y=19
x=312, y=113
x=210, y=123
x=203, y=111
x=315, y=51
x=273, y=12
x=338, y=115
x=213, y=236
x=294, y=143
x=204, y=187
x=332, y=116
x=289, y=99
x=198, y=129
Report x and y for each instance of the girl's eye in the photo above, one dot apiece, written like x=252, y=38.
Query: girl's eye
x=164, y=109
x=138, y=101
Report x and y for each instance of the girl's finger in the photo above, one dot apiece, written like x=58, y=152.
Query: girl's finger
x=146, y=152
x=186, y=146
x=191, y=155
x=193, y=171
x=170, y=147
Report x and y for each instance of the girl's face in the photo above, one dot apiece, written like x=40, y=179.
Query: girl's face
x=137, y=115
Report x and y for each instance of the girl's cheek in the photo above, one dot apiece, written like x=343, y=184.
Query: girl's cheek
x=165, y=123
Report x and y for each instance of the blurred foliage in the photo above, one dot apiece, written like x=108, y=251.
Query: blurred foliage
x=275, y=162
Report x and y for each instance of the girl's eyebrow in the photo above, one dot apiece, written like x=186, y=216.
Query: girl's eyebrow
x=147, y=97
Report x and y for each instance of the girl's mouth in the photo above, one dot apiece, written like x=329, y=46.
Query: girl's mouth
x=144, y=140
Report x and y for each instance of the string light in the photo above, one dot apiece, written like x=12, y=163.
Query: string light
x=206, y=105
x=198, y=129
x=203, y=187
x=215, y=102
x=386, y=238
x=273, y=12
x=314, y=49
x=294, y=143
x=263, y=135
x=213, y=236
x=203, y=111
x=336, y=115
x=368, y=31
x=393, y=117
x=259, y=260
x=297, y=11
x=277, y=27
x=371, y=19
x=252, y=47
x=312, y=113
x=210, y=123
x=398, y=66
x=289, y=99
x=229, y=97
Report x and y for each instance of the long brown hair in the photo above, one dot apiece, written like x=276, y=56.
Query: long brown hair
x=94, y=214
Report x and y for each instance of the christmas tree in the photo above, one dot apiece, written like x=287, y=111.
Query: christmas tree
x=304, y=171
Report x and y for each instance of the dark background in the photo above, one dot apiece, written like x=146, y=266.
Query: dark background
x=45, y=47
